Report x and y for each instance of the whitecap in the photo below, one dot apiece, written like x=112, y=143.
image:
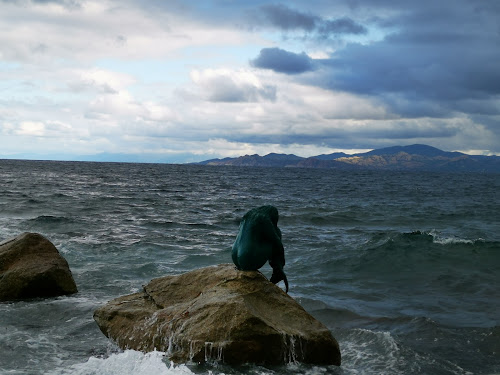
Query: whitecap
x=371, y=351
x=124, y=363
x=441, y=239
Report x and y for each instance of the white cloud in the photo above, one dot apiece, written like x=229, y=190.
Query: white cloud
x=225, y=85
x=100, y=80
x=297, y=109
x=36, y=129
x=52, y=129
x=319, y=55
x=338, y=105
x=47, y=32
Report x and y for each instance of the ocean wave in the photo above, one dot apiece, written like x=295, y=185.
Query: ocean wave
x=382, y=352
x=127, y=362
x=343, y=318
x=375, y=352
x=442, y=239
x=453, y=282
x=324, y=217
x=416, y=258
x=415, y=248
x=48, y=220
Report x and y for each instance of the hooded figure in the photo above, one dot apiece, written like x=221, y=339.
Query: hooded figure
x=259, y=241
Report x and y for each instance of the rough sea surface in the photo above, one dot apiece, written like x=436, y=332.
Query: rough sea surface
x=403, y=268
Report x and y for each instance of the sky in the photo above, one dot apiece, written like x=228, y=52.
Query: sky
x=185, y=81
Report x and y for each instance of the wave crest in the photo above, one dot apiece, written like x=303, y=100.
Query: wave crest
x=127, y=362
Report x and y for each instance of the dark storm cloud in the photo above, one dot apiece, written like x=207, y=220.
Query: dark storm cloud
x=341, y=26
x=282, y=61
x=363, y=136
x=436, y=61
x=433, y=66
x=437, y=58
x=287, y=19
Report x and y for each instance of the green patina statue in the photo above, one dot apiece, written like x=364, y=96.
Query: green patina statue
x=259, y=241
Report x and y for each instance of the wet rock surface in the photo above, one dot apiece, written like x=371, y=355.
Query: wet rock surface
x=218, y=313
x=30, y=267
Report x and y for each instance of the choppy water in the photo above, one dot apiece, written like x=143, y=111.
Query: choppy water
x=404, y=268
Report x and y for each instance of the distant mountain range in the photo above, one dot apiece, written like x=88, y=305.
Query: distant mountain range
x=404, y=158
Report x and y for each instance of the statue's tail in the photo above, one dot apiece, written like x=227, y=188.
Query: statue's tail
x=279, y=275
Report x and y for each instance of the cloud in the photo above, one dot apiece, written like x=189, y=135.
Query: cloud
x=183, y=78
x=224, y=85
x=100, y=80
x=282, y=121
x=285, y=18
x=422, y=71
x=38, y=129
x=31, y=128
x=49, y=32
x=435, y=62
x=283, y=61
x=439, y=54
x=343, y=25
x=122, y=113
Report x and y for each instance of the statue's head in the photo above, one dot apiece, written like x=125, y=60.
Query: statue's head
x=269, y=211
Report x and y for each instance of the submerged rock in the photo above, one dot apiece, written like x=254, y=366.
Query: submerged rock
x=218, y=313
x=31, y=266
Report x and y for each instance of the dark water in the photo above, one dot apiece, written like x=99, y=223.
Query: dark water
x=404, y=268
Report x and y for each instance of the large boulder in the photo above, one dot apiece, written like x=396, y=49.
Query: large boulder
x=31, y=266
x=218, y=313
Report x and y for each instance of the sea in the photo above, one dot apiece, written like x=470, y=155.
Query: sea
x=402, y=267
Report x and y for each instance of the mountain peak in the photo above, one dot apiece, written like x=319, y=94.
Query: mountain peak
x=416, y=149
x=415, y=157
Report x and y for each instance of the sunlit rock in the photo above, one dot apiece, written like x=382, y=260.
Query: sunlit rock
x=218, y=313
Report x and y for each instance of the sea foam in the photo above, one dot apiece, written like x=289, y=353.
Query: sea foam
x=127, y=362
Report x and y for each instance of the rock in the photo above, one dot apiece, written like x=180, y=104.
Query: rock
x=31, y=266
x=218, y=313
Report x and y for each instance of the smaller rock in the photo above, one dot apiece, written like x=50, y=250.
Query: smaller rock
x=31, y=266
